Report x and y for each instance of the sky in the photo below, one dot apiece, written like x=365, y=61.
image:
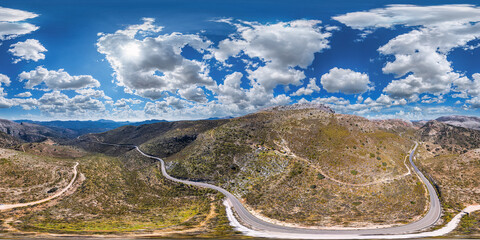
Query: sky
x=177, y=59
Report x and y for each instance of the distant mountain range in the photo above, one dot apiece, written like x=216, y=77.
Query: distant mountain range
x=78, y=128
x=36, y=131
x=461, y=121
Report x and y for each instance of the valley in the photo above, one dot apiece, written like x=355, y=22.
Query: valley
x=304, y=166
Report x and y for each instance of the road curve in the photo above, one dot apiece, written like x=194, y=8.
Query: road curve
x=19, y=205
x=250, y=221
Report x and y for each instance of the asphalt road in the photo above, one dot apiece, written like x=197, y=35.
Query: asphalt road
x=250, y=221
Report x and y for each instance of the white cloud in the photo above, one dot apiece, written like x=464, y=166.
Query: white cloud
x=24, y=94
x=281, y=47
x=150, y=66
x=410, y=15
x=15, y=15
x=58, y=103
x=230, y=92
x=58, y=80
x=193, y=93
x=11, y=25
x=5, y=102
x=4, y=81
x=309, y=89
x=345, y=81
x=474, y=102
x=468, y=87
x=421, y=54
x=126, y=102
x=31, y=49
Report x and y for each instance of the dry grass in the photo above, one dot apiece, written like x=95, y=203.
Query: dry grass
x=276, y=162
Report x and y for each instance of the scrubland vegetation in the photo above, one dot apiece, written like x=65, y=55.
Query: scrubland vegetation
x=283, y=163
x=307, y=167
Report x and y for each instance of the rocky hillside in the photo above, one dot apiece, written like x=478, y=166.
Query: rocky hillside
x=78, y=128
x=453, y=138
x=162, y=139
x=305, y=165
x=32, y=132
x=301, y=157
x=7, y=141
x=450, y=156
x=461, y=121
x=111, y=195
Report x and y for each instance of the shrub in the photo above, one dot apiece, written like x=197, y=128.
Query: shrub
x=372, y=155
x=320, y=176
x=354, y=172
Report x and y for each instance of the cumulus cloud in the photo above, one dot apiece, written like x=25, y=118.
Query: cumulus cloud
x=4, y=81
x=345, y=81
x=410, y=15
x=58, y=80
x=150, y=66
x=126, y=102
x=193, y=93
x=468, y=87
x=30, y=49
x=24, y=94
x=56, y=102
x=12, y=25
x=309, y=89
x=474, y=102
x=281, y=47
x=421, y=54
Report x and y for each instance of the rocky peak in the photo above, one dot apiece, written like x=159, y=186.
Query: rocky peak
x=299, y=106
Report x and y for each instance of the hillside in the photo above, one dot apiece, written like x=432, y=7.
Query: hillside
x=30, y=132
x=450, y=155
x=305, y=165
x=452, y=138
x=111, y=195
x=300, y=165
x=165, y=138
x=7, y=141
x=78, y=128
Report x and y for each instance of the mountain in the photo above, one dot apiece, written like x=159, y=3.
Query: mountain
x=30, y=132
x=461, y=121
x=303, y=164
x=7, y=141
x=450, y=157
x=298, y=164
x=453, y=138
x=165, y=138
x=78, y=128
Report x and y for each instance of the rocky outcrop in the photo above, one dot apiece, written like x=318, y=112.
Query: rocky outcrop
x=299, y=106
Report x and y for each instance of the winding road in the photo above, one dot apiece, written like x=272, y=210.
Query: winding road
x=4, y=207
x=246, y=219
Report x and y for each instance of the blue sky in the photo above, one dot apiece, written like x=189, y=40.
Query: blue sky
x=135, y=60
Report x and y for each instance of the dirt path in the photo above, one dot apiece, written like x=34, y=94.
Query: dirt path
x=5, y=207
x=288, y=152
